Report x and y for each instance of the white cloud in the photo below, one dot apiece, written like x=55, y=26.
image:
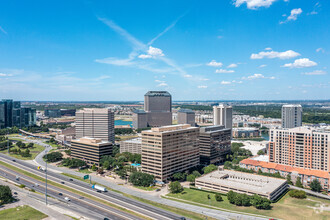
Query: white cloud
x=159, y=81
x=294, y=14
x=225, y=83
x=273, y=54
x=162, y=84
x=317, y=6
x=144, y=56
x=233, y=65
x=224, y=71
x=301, y=63
x=315, y=72
x=214, y=63
x=256, y=76
x=115, y=61
x=262, y=66
x=202, y=87
x=152, y=52
x=320, y=50
x=254, y=4
x=268, y=48
x=3, y=74
x=239, y=82
x=272, y=77
x=187, y=76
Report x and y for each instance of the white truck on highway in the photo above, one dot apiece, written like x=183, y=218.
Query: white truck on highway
x=99, y=188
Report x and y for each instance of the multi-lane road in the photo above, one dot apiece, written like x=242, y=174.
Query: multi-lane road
x=111, y=197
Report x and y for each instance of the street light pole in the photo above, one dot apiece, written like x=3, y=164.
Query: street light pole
x=46, y=181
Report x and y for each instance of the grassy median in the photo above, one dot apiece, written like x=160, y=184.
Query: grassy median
x=22, y=212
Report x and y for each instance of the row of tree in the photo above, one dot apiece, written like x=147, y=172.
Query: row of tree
x=53, y=157
x=73, y=163
x=246, y=200
x=23, y=153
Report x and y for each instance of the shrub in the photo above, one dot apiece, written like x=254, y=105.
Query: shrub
x=175, y=187
x=218, y=197
x=299, y=194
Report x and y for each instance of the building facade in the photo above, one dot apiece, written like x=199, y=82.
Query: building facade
x=223, y=115
x=13, y=115
x=291, y=116
x=157, y=110
x=302, y=147
x=169, y=149
x=133, y=146
x=90, y=150
x=52, y=113
x=246, y=132
x=306, y=175
x=214, y=144
x=186, y=116
x=95, y=123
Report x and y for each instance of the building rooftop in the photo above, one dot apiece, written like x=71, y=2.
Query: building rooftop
x=243, y=181
x=170, y=128
x=246, y=129
x=307, y=129
x=183, y=110
x=95, y=110
x=158, y=93
x=139, y=111
x=134, y=141
x=286, y=168
x=89, y=140
x=291, y=106
x=213, y=128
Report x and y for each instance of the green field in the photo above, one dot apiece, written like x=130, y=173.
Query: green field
x=286, y=208
x=22, y=213
x=33, y=151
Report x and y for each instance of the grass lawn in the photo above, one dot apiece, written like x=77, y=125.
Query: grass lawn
x=22, y=212
x=286, y=208
x=85, y=171
x=33, y=151
x=146, y=188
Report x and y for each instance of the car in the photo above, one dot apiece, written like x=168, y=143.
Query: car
x=105, y=219
x=182, y=218
x=62, y=182
x=67, y=199
x=14, y=160
x=15, y=193
x=98, y=191
x=157, y=190
x=36, y=184
x=71, y=179
x=60, y=194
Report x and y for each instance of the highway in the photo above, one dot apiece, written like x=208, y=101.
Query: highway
x=112, y=197
x=100, y=210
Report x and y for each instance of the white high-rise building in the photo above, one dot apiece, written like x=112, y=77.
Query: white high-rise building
x=95, y=123
x=291, y=116
x=223, y=115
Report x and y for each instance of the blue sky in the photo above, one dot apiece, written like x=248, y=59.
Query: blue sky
x=197, y=50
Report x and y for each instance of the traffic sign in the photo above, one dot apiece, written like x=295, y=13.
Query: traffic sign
x=86, y=177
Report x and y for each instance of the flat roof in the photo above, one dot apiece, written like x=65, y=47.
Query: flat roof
x=243, y=181
x=170, y=128
x=134, y=141
x=158, y=93
x=90, y=140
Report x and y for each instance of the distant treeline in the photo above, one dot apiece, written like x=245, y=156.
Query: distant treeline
x=197, y=107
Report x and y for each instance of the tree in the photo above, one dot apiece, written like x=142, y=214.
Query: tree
x=315, y=186
x=26, y=153
x=115, y=150
x=218, y=197
x=53, y=157
x=260, y=202
x=94, y=168
x=299, y=194
x=106, y=165
x=191, y=178
x=288, y=179
x=196, y=173
x=175, y=187
x=261, y=152
x=141, y=179
x=298, y=183
x=30, y=145
x=178, y=176
x=5, y=195
x=210, y=168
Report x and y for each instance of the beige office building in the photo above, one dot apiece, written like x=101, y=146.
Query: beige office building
x=303, y=147
x=95, y=123
x=90, y=150
x=169, y=149
x=223, y=115
x=133, y=146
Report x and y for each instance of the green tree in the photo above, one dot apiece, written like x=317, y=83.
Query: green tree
x=141, y=179
x=106, y=165
x=218, y=197
x=30, y=145
x=196, y=173
x=94, y=168
x=288, y=179
x=260, y=202
x=191, y=178
x=53, y=157
x=261, y=152
x=209, y=168
x=315, y=186
x=299, y=194
x=298, y=183
x=5, y=195
x=175, y=187
x=178, y=176
x=115, y=150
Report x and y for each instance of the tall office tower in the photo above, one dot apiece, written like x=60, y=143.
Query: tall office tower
x=157, y=110
x=52, y=113
x=300, y=147
x=169, y=149
x=291, y=116
x=223, y=115
x=214, y=144
x=90, y=150
x=17, y=114
x=2, y=115
x=8, y=112
x=95, y=123
x=186, y=116
x=28, y=117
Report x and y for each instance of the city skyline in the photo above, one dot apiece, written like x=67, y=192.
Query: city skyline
x=223, y=50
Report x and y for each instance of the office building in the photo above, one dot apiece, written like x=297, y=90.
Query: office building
x=68, y=112
x=157, y=110
x=246, y=132
x=169, y=149
x=133, y=146
x=90, y=150
x=95, y=123
x=186, y=116
x=291, y=116
x=224, y=181
x=223, y=115
x=303, y=147
x=53, y=113
x=214, y=144
x=13, y=115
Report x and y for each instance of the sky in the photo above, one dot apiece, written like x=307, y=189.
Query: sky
x=197, y=50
